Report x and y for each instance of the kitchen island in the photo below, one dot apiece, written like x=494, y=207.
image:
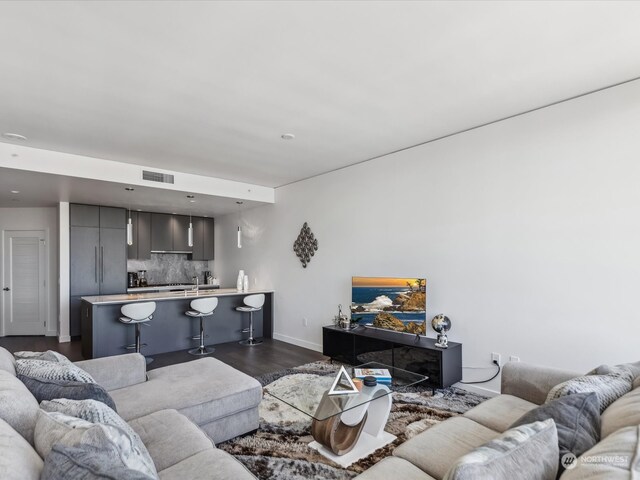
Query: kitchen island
x=170, y=329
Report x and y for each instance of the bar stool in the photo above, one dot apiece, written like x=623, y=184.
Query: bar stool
x=138, y=314
x=253, y=303
x=200, y=308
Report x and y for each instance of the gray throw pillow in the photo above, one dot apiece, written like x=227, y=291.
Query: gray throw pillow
x=99, y=413
x=48, y=356
x=86, y=462
x=527, y=452
x=608, y=387
x=44, y=389
x=577, y=419
x=52, y=370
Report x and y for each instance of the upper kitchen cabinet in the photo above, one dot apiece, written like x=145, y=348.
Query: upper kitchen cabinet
x=169, y=233
x=202, y=238
x=141, y=248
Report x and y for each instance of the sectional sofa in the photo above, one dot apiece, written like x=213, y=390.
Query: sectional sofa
x=179, y=412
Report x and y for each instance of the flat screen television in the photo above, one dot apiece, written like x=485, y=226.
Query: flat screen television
x=398, y=304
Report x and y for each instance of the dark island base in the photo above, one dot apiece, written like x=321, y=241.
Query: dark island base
x=400, y=350
x=170, y=329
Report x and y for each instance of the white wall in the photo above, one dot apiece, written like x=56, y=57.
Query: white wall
x=64, y=283
x=528, y=231
x=37, y=219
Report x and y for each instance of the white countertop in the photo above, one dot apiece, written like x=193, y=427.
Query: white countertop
x=160, y=296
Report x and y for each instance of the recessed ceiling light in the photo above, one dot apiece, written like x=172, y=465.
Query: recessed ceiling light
x=129, y=189
x=15, y=191
x=192, y=201
x=139, y=209
x=14, y=136
x=287, y=136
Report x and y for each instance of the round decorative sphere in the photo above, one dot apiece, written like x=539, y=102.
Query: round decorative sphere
x=441, y=323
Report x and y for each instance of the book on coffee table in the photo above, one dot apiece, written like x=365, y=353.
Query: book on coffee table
x=382, y=375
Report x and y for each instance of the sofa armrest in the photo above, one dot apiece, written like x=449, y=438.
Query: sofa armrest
x=116, y=372
x=532, y=382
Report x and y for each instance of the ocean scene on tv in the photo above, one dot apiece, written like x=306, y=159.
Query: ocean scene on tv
x=393, y=303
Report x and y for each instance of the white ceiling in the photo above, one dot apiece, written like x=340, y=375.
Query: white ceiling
x=209, y=87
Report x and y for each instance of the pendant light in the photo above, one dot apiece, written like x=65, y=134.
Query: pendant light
x=239, y=227
x=190, y=233
x=129, y=223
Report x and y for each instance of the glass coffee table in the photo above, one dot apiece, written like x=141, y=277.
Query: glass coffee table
x=347, y=426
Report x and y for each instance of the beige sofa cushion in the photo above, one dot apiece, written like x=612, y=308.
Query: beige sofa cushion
x=617, y=457
x=204, y=390
x=499, y=413
x=394, y=467
x=17, y=406
x=435, y=450
x=636, y=382
x=7, y=361
x=624, y=412
x=170, y=437
x=206, y=465
x=18, y=461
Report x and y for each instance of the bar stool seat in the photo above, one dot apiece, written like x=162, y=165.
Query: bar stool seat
x=138, y=314
x=252, y=303
x=201, y=308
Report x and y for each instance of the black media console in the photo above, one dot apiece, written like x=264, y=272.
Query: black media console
x=443, y=366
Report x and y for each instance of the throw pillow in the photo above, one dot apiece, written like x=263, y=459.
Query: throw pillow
x=48, y=356
x=614, y=458
x=99, y=413
x=608, y=387
x=86, y=462
x=44, y=389
x=530, y=450
x=56, y=428
x=52, y=370
x=624, y=412
x=17, y=406
x=577, y=419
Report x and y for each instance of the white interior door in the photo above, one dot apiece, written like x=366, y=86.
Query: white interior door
x=24, y=283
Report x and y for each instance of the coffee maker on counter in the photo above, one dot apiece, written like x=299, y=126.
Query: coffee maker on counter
x=132, y=280
x=142, y=278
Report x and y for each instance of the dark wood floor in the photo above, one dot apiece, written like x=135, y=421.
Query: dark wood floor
x=271, y=356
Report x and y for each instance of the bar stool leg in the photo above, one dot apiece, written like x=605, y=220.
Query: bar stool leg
x=250, y=341
x=138, y=344
x=202, y=350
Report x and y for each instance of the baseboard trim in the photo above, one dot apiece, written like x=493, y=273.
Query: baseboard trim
x=296, y=341
x=479, y=390
x=64, y=338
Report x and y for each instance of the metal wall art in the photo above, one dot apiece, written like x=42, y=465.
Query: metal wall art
x=305, y=245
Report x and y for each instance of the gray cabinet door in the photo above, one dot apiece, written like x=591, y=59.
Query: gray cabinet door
x=208, y=240
x=113, y=261
x=84, y=259
x=180, y=228
x=111, y=217
x=75, y=315
x=161, y=232
x=132, y=250
x=84, y=215
x=198, y=239
x=143, y=236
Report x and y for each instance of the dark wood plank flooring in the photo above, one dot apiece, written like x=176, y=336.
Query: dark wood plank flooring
x=271, y=356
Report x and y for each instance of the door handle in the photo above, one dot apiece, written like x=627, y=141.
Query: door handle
x=6, y=289
x=102, y=264
x=95, y=261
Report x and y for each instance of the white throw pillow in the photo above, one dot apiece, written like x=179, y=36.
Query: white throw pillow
x=52, y=370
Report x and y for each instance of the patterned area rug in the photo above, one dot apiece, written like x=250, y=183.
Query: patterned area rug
x=279, y=449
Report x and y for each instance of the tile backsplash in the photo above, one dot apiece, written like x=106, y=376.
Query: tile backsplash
x=169, y=268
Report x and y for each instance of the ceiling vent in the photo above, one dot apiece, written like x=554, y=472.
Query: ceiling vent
x=157, y=176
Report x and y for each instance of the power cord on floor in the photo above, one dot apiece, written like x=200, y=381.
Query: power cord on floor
x=495, y=362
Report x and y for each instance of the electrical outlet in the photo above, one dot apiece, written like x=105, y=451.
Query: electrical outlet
x=305, y=322
x=514, y=358
x=496, y=357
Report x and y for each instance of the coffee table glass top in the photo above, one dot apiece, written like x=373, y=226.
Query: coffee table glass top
x=306, y=395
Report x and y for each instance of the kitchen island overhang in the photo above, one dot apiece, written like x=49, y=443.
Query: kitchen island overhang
x=170, y=329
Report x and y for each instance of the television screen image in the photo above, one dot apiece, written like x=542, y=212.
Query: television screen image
x=398, y=304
